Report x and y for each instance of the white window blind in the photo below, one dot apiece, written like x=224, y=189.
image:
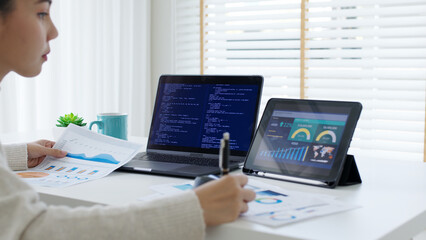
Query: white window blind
x=372, y=51
x=187, y=36
x=255, y=37
x=251, y=37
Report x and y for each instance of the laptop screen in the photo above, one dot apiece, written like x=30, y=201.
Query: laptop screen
x=191, y=113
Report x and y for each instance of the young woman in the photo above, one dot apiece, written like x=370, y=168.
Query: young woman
x=25, y=32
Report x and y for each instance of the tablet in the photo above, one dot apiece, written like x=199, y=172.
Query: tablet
x=303, y=141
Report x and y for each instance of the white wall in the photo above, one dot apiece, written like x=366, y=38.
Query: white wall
x=162, y=37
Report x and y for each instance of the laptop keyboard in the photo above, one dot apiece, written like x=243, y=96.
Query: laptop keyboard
x=213, y=162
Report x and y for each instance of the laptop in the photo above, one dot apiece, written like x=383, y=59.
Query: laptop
x=191, y=113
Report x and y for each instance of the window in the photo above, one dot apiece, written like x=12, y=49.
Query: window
x=369, y=51
x=187, y=37
x=99, y=63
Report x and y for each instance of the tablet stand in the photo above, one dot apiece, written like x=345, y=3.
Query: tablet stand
x=350, y=174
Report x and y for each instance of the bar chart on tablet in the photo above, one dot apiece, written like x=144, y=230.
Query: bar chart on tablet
x=297, y=154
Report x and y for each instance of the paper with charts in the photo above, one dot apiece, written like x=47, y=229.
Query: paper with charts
x=90, y=156
x=273, y=206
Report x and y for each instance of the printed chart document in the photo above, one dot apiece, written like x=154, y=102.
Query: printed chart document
x=273, y=206
x=90, y=156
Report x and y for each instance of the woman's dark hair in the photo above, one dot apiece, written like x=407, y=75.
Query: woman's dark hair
x=6, y=6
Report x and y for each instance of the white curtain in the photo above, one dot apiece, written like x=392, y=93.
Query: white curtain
x=99, y=63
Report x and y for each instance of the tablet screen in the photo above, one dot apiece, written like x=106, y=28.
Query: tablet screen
x=303, y=138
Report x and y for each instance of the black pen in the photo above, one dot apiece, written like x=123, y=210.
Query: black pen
x=224, y=154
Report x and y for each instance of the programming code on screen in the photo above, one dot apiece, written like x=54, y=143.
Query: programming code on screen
x=196, y=115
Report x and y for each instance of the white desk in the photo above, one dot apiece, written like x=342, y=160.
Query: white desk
x=392, y=196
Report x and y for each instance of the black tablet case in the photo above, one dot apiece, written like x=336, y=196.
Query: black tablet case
x=348, y=176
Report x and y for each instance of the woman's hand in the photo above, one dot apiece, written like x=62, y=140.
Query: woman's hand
x=223, y=200
x=38, y=150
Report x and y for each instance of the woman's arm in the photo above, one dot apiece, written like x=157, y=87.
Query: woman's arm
x=24, y=216
x=22, y=156
x=16, y=156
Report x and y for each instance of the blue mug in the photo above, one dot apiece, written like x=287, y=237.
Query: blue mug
x=112, y=124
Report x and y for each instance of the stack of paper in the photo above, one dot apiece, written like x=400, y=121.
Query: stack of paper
x=273, y=206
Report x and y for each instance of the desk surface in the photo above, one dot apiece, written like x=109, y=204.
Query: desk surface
x=392, y=196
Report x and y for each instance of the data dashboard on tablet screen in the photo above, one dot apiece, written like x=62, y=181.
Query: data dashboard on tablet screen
x=304, y=139
x=301, y=139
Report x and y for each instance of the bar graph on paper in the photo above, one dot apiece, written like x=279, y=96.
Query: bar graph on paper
x=295, y=154
x=89, y=156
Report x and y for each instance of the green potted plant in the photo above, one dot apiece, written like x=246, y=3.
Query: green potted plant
x=64, y=121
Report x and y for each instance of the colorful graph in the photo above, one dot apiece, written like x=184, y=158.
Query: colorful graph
x=183, y=187
x=32, y=174
x=278, y=216
x=327, y=132
x=269, y=197
x=297, y=154
x=49, y=168
x=302, y=130
x=93, y=172
x=268, y=200
x=285, y=124
x=72, y=169
x=281, y=216
x=103, y=158
x=60, y=169
x=72, y=177
x=270, y=193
